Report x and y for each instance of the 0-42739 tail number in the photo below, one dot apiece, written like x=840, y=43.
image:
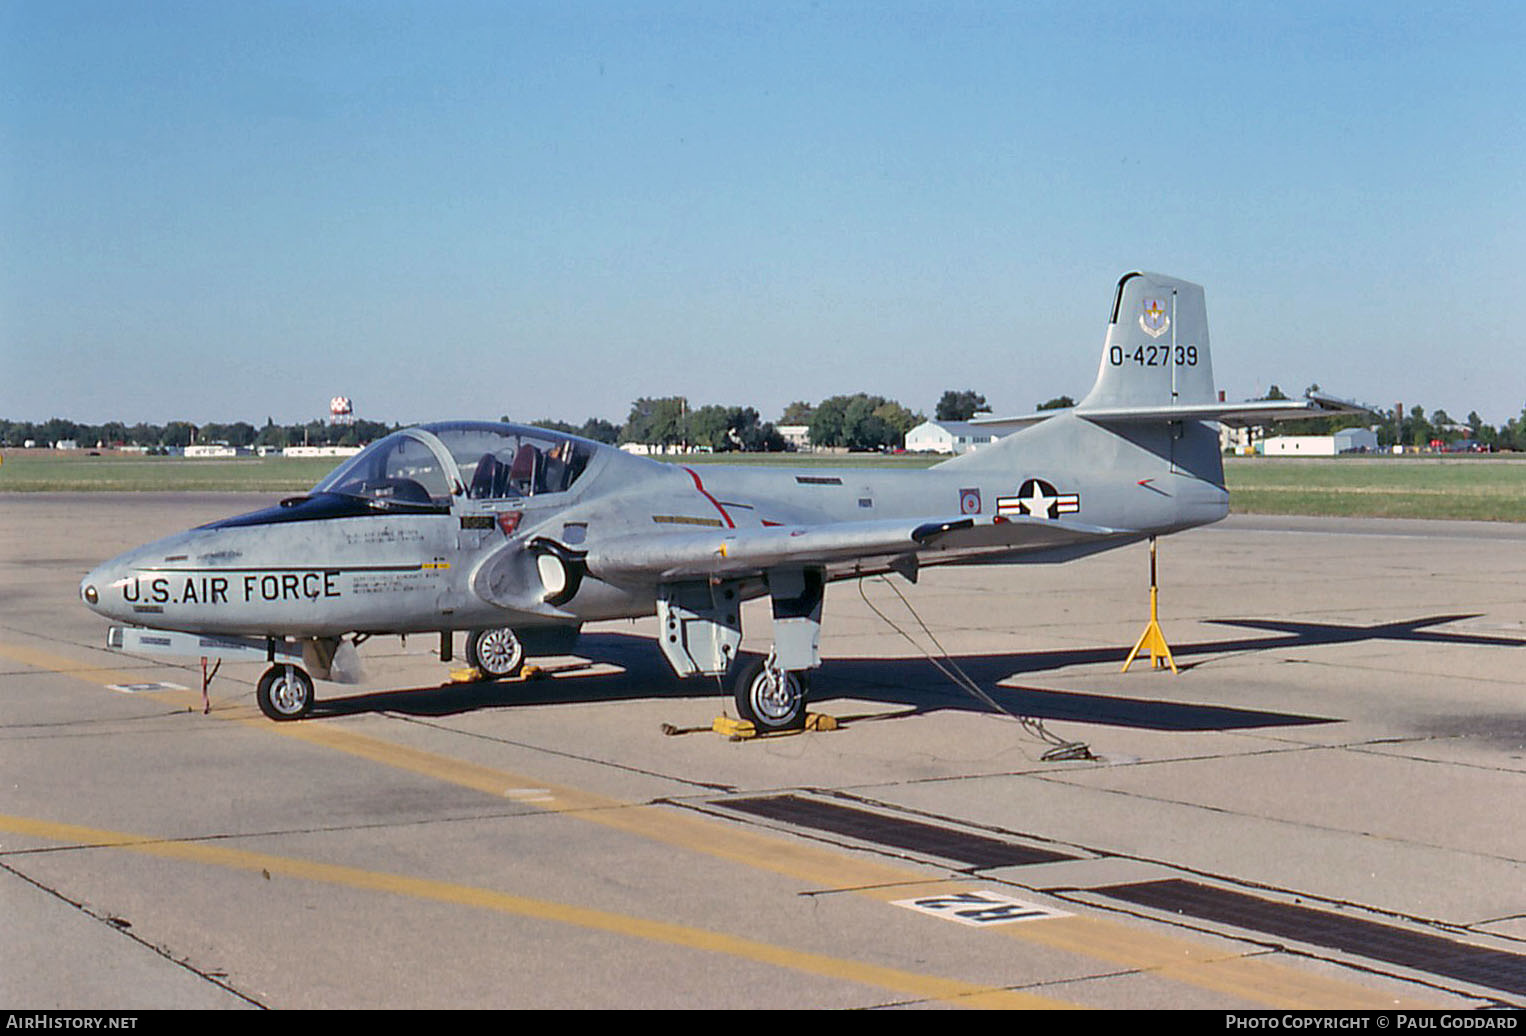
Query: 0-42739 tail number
x=1154, y=355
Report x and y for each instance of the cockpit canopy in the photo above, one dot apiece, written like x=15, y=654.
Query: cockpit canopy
x=424, y=467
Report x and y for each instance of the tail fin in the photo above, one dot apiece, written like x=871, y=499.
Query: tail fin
x=1156, y=351
x=1156, y=367
x=1154, y=386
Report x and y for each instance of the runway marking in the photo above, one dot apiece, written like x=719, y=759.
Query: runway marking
x=981, y=909
x=930, y=987
x=104, y=675
x=144, y=688
x=529, y=794
x=1229, y=971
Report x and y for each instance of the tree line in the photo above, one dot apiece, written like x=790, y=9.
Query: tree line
x=179, y=434
x=859, y=421
x=856, y=422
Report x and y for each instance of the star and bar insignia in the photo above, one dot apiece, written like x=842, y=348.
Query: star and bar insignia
x=1038, y=499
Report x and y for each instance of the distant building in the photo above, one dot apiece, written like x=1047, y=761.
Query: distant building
x=657, y=449
x=1347, y=440
x=1299, y=446
x=1241, y=440
x=947, y=437
x=320, y=451
x=1356, y=440
x=795, y=436
x=212, y=449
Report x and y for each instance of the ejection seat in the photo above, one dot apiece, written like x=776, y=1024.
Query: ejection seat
x=482, y=478
x=525, y=470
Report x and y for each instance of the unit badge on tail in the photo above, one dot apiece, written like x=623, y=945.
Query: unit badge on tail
x=1153, y=318
x=1038, y=499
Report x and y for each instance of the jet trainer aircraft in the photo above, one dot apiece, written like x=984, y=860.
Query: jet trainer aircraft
x=518, y=536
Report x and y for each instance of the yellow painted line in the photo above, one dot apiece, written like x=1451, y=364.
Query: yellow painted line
x=1227, y=971
x=800, y=861
x=928, y=987
x=1230, y=971
x=104, y=675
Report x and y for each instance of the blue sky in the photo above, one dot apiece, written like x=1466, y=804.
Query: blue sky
x=235, y=211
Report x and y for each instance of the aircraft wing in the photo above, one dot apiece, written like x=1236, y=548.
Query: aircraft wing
x=842, y=546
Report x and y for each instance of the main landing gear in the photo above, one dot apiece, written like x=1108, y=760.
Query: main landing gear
x=700, y=632
x=771, y=698
x=497, y=653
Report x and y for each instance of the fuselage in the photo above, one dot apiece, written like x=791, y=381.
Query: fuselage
x=472, y=526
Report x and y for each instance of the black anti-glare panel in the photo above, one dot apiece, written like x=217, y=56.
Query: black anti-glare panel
x=1432, y=954
x=913, y=836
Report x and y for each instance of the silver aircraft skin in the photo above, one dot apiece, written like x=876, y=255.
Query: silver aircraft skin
x=517, y=535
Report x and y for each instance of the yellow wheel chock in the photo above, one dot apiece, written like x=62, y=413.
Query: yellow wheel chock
x=743, y=730
x=472, y=674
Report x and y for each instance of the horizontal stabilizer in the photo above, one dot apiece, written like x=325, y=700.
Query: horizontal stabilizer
x=1257, y=411
x=1250, y=412
x=1267, y=410
x=1156, y=366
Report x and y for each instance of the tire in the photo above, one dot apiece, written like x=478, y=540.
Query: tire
x=761, y=699
x=497, y=653
x=285, y=692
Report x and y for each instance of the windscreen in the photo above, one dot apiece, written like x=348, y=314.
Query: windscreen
x=399, y=470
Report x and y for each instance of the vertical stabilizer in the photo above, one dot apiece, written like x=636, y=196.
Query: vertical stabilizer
x=1145, y=430
x=1156, y=352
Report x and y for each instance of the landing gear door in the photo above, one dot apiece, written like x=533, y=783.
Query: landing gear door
x=700, y=626
x=797, y=595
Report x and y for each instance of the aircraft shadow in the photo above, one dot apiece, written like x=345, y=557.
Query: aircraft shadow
x=912, y=683
x=916, y=684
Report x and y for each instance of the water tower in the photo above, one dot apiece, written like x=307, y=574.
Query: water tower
x=341, y=411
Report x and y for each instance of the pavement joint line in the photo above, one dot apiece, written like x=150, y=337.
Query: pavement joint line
x=1302, y=825
x=702, y=786
x=1104, y=939
x=215, y=979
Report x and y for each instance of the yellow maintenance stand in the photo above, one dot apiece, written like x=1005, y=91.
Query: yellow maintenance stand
x=1152, y=637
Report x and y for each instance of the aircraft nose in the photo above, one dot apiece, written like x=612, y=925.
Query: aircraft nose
x=94, y=589
x=90, y=589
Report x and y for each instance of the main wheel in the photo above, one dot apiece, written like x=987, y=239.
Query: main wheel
x=496, y=652
x=285, y=692
x=772, y=699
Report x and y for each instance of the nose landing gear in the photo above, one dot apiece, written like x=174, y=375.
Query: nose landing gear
x=285, y=692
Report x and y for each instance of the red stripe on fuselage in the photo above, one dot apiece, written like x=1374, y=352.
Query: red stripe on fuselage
x=701, y=487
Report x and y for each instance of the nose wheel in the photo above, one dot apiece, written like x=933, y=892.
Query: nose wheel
x=772, y=698
x=285, y=692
